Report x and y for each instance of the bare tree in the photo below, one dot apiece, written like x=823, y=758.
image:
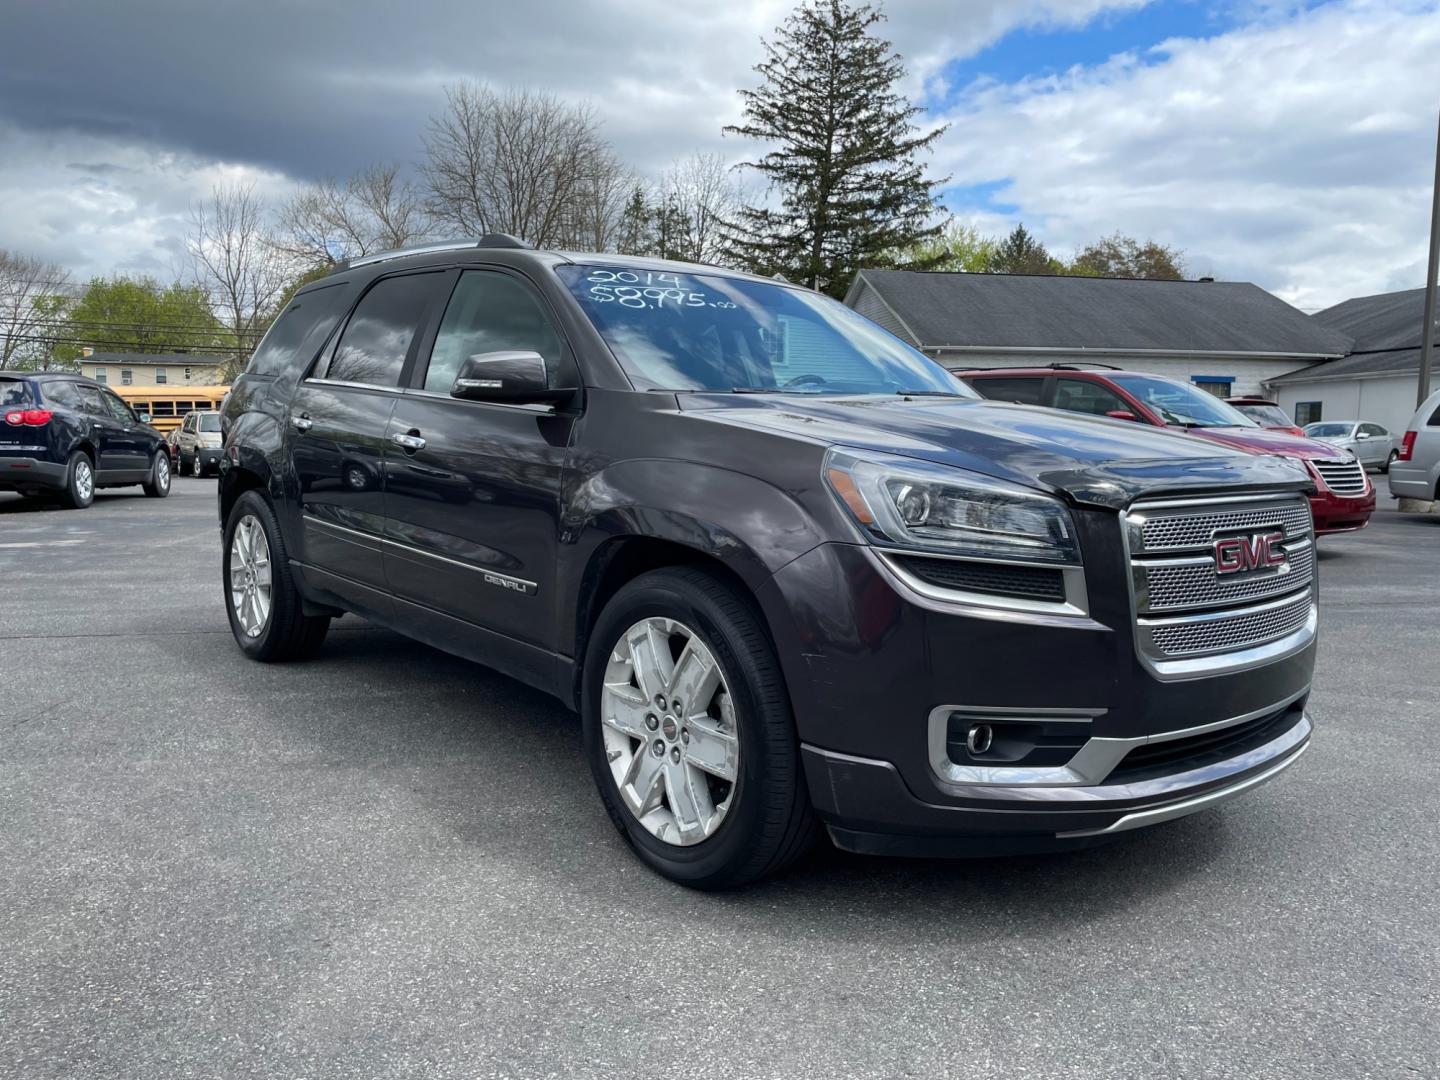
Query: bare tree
x=698, y=194
x=33, y=293
x=375, y=210
x=521, y=162
x=238, y=262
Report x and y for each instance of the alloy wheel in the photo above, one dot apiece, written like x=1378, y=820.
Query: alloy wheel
x=671, y=740
x=84, y=480
x=162, y=471
x=250, y=594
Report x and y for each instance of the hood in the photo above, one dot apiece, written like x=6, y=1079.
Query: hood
x=1267, y=441
x=1093, y=460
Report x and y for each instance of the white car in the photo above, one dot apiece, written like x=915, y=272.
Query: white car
x=197, y=443
x=1417, y=471
x=1372, y=445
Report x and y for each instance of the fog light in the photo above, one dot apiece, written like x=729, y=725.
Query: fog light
x=979, y=738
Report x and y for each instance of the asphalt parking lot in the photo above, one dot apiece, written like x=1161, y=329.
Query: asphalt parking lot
x=391, y=863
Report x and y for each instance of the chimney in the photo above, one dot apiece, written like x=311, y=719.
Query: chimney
x=87, y=351
x=1210, y=279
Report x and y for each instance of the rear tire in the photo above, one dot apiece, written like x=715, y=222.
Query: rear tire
x=268, y=625
x=79, y=490
x=1394, y=457
x=767, y=820
x=158, y=486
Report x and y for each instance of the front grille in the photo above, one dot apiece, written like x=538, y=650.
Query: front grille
x=1022, y=582
x=1196, y=751
x=1177, y=588
x=1187, y=608
x=1342, y=477
x=1241, y=631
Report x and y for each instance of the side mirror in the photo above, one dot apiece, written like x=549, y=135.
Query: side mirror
x=1122, y=414
x=1363, y=435
x=516, y=376
x=144, y=417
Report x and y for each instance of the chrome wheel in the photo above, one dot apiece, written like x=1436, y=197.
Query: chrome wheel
x=669, y=728
x=162, y=471
x=250, y=576
x=197, y=470
x=84, y=480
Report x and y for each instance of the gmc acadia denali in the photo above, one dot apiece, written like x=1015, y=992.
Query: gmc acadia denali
x=790, y=572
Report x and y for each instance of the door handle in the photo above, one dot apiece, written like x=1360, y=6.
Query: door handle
x=302, y=422
x=411, y=442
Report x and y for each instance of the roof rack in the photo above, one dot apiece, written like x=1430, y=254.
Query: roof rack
x=489, y=240
x=1075, y=366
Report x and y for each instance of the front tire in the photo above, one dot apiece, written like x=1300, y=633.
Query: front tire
x=197, y=468
x=261, y=597
x=79, y=490
x=708, y=791
x=158, y=486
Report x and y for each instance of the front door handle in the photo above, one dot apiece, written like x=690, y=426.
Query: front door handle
x=411, y=441
x=302, y=422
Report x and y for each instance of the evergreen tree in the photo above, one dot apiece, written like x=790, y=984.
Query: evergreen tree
x=633, y=235
x=845, y=169
x=1021, y=253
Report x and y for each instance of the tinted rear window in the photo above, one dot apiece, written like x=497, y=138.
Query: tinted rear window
x=296, y=336
x=14, y=392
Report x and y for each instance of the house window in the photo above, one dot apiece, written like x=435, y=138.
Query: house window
x=1219, y=385
x=127, y=377
x=187, y=374
x=160, y=377
x=100, y=374
x=1307, y=412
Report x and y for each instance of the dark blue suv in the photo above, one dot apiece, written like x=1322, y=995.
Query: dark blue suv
x=64, y=436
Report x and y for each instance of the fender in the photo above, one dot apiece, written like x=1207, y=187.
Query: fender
x=679, y=502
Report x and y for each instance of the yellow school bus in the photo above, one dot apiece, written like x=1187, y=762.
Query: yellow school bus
x=167, y=405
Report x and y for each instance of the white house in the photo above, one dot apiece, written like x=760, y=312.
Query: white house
x=151, y=369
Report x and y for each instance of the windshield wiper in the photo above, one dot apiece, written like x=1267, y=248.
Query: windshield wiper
x=930, y=393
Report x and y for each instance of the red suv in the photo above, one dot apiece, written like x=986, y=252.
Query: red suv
x=1344, y=498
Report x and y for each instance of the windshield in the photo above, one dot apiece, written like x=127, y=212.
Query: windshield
x=1182, y=404
x=210, y=421
x=1328, y=431
x=673, y=331
x=1269, y=415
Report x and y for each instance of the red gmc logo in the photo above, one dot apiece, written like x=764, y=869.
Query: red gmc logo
x=1258, y=551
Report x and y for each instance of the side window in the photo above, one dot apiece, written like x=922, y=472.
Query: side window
x=1374, y=430
x=90, y=400
x=118, y=408
x=296, y=336
x=1081, y=395
x=1025, y=391
x=490, y=312
x=59, y=392
x=373, y=345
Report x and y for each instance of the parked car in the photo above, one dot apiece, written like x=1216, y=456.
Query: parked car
x=1372, y=445
x=64, y=436
x=1343, y=500
x=1268, y=414
x=197, y=442
x=1415, y=472
x=784, y=565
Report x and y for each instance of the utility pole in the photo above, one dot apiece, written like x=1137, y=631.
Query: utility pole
x=1427, y=329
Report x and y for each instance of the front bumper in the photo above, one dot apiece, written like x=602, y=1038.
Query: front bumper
x=20, y=473
x=1337, y=513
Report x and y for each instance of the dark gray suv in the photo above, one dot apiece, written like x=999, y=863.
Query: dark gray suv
x=791, y=573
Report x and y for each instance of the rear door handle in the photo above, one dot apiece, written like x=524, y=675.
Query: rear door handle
x=302, y=422
x=411, y=442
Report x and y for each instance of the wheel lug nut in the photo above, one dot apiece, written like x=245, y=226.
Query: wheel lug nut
x=675, y=754
x=660, y=702
x=676, y=707
x=685, y=735
x=658, y=749
x=651, y=722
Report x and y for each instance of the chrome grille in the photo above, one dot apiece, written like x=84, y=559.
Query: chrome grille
x=1173, y=587
x=1341, y=476
x=1174, y=529
x=1240, y=631
x=1188, y=614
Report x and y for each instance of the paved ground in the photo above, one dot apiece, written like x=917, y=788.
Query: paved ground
x=389, y=863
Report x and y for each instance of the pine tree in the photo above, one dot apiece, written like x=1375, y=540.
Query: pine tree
x=845, y=168
x=633, y=234
x=1021, y=253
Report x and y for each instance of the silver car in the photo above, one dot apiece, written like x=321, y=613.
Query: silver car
x=1372, y=445
x=197, y=443
x=1416, y=472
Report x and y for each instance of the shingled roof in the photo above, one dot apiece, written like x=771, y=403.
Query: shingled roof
x=999, y=311
x=1385, y=329
x=141, y=359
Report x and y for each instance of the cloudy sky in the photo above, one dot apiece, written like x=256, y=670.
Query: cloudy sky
x=1281, y=142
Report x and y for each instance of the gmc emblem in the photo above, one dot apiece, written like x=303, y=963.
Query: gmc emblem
x=1258, y=551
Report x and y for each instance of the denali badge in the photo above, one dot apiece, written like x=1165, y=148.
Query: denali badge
x=1258, y=551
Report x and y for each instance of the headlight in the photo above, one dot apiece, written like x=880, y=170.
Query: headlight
x=901, y=502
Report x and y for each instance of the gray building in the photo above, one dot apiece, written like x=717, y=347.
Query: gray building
x=1227, y=337
x=1376, y=380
